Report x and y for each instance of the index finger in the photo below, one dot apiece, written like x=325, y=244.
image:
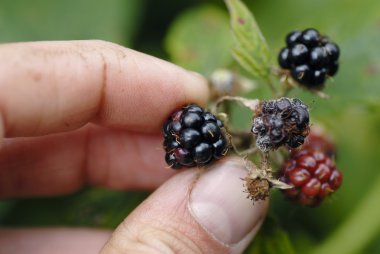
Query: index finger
x=48, y=87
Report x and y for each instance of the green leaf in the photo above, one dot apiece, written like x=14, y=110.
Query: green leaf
x=271, y=239
x=250, y=48
x=199, y=39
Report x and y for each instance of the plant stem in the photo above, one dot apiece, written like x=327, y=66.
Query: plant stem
x=286, y=89
x=265, y=163
x=359, y=229
x=272, y=88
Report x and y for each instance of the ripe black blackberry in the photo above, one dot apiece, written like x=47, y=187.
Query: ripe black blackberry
x=193, y=137
x=281, y=122
x=310, y=57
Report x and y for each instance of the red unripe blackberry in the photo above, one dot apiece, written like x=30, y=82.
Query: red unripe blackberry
x=193, y=137
x=310, y=57
x=313, y=175
x=319, y=142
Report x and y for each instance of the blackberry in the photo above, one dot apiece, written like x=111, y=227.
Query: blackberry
x=319, y=141
x=293, y=38
x=280, y=122
x=310, y=57
x=313, y=174
x=299, y=54
x=193, y=137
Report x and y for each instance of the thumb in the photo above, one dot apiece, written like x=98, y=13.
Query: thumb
x=193, y=212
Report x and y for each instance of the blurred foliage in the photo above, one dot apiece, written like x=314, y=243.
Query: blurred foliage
x=352, y=114
x=114, y=20
x=91, y=208
x=271, y=239
x=211, y=25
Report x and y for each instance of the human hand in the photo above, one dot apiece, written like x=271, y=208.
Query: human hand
x=89, y=113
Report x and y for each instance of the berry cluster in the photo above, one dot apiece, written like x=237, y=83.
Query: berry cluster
x=310, y=57
x=312, y=172
x=193, y=137
x=281, y=122
x=318, y=140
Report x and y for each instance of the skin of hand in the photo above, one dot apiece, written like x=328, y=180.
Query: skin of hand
x=89, y=113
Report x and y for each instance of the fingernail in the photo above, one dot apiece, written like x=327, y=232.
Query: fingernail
x=220, y=206
x=196, y=88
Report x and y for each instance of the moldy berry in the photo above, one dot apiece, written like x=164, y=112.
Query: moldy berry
x=193, y=137
x=310, y=57
x=280, y=122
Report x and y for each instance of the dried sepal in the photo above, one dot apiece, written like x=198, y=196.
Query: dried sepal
x=259, y=182
x=251, y=104
x=277, y=184
x=320, y=94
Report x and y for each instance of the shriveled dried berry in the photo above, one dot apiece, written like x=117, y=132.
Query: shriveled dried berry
x=280, y=122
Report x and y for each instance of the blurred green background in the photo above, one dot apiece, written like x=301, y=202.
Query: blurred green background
x=196, y=34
